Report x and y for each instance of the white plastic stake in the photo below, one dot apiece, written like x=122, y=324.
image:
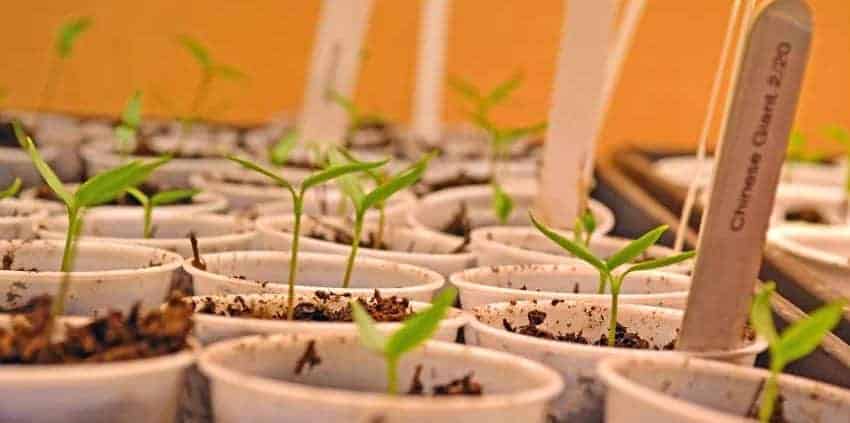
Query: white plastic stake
x=576, y=105
x=430, y=70
x=757, y=124
x=334, y=67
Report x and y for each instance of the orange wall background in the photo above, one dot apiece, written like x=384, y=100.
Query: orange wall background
x=660, y=102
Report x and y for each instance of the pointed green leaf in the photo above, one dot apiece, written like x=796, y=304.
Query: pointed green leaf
x=173, y=196
x=346, y=103
x=502, y=203
x=397, y=183
x=132, y=114
x=141, y=197
x=419, y=328
x=635, y=248
x=335, y=171
x=196, y=49
x=377, y=176
x=466, y=89
x=503, y=90
x=68, y=34
x=803, y=336
x=126, y=135
x=105, y=186
x=12, y=190
x=264, y=171
x=761, y=315
x=43, y=168
x=370, y=336
x=229, y=72
x=279, y=153
x=514, y=134
x=576, y=249
x=588, y=221
x=660, y=262
x=838, y=133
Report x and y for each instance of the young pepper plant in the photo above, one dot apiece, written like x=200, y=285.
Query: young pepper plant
x=12, y=190
x=363, y=202
x=158, y=199
x=584, y=227
x=412, y=333
x=101, y=188
x=66, y=37
x=127, y=130
x=315, y=179
x=607, y=267
x=794, y=343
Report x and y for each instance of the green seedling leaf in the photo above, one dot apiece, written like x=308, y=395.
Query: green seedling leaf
x=395, y=184
x=279, y=153
x=132, y=114
x=659, y=263
x=105, y=186
x=466, y=89
x=503, y=90
x=838, y=133
x=574, y=248
x=512, y=135
x=43, y=168
x=196, y=49
x=588, y=222
x=265, y=171
x=377, y=176
x=422, y=326
x=803, y=336
x=336, y=171
x=68, y=34
x=228, y=72
x=348, y=105
x=173, y=196
x=12, y=189
x=502, y=203
x=635, y=248
x=761, y=315
x=141, y=197
x=370, y=336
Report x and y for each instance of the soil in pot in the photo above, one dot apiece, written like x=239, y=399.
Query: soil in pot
x=110, y=338
x=805, y=216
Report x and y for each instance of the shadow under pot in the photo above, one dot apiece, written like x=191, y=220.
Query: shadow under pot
x=571, y=337
x=265, y=379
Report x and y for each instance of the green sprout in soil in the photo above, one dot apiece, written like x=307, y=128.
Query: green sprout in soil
x=584, y=227
x=127, y=130
x=101, y=188
x=12, y=190
x=795, y=342
x=66, y=37
x=412, y=333
x=159, y=199
x=210, y=70
x=607, y=267
x=378, y=177
x=315, y=179
x=363, y=201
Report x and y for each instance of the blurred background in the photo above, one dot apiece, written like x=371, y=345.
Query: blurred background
x=660, y=103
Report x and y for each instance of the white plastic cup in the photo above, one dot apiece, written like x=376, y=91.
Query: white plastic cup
x=19, y=218
x=823, y=248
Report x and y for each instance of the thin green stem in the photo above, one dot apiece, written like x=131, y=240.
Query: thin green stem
x=297, y=210
x=382, y=219
x=615, y=299
x=74, y=225
x=392, y=376
x=148, y=230
x=768, y=396
x=603, y=279
x=355, y=244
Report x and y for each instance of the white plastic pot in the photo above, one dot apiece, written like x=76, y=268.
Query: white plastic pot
x=15, y=162
x=828, y=201
x=253, y=379
x=204, y=202
x=687, y=390
x=499, y=245
x=437, y=209
x=424, y=249
x=19, y=218
x=680, y=171
x=582, y=398
x=215, y=233
x=824, y=248
x=327, y=202
x=211, y=328
x=256, y=272
x=577, y=282
x=106, y=276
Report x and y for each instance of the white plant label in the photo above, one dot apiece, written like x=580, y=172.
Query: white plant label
x=574, y=113
x=430, y=70
x=334, y=67
x=749, y=160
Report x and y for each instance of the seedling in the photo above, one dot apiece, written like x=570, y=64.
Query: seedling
x=315, y=179
x=379, y=177
x=502, y=203
x=101, y=188
x=280, y=151
x=363, y=202
x=12, y=190
x=210, y=70
x=412, y=333
x=127, y=131
x=158, y=199
x=795, y=342
x=607, y=267
x=584, y=227
x=66, y=38
x=356, y=118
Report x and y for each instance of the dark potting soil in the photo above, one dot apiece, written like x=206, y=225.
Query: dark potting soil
x=464, y=386
x=460, y=224
x=329, y=232
x=325, y=307
x=110, y=338
x=622, y=337
x=806, y=215
x=459, y=180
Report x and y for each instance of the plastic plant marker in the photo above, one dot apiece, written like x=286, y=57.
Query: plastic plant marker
x=12, y=189
x=315, y=179
x=430, y=69
x=413, y=332
x=574, y=112
x=757, y=124
x=797, y=341
x=158, y=199
x=334, y=67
